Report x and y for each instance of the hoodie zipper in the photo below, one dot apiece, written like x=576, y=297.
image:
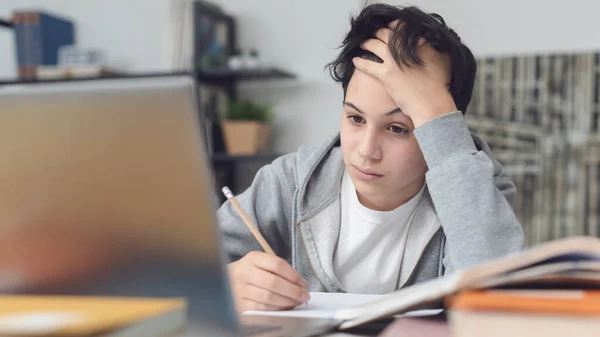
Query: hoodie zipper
x=306, y=255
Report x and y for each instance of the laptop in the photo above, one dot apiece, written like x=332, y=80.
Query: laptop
x=108, y=181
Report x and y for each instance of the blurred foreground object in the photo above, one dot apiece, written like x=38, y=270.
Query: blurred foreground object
x=46, y=257
x=90, y=316
x=106, y=191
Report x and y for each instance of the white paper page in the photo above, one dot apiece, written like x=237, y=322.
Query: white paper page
x=325, y=305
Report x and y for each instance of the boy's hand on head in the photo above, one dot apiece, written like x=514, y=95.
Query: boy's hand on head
x=420, y=91
x=261, y=281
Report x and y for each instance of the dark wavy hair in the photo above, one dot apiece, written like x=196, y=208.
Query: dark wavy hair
x=404, y=40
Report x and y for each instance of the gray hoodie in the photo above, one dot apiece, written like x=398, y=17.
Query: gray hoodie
x=464, y=218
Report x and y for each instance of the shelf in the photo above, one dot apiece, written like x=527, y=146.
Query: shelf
x=224, y=75
x=216, y=76
x=106, y=76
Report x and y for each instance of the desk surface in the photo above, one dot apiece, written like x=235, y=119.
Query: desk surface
x=401, y=327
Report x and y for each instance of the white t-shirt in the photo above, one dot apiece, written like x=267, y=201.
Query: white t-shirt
x=371, y=243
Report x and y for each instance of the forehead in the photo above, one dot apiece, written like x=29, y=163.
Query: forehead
x=371, y=98
x=368, y=93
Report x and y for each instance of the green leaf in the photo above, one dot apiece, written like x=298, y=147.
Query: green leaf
x=247, y=110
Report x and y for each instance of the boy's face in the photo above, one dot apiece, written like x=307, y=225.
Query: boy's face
x=380, y=151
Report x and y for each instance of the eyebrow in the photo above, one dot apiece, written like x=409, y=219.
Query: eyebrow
x=396, y=110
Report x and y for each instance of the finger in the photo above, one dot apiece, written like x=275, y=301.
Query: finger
x=383, y=35
x=252, y=305
x=376, y=47
x=264, y=296
x=278, y=266
x=393, y=24
x=272, y=282
x=371, y=68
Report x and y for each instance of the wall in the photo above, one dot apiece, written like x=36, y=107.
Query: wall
x=516, y=26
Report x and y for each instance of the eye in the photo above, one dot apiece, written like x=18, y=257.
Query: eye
x=356, y=119
x=398, y=129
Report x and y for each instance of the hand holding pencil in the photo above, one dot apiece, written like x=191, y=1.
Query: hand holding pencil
x=263, y=281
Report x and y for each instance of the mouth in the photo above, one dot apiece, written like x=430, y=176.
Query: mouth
x=366, y=174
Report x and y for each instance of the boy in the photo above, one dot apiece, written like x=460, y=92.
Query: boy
x=404, y=193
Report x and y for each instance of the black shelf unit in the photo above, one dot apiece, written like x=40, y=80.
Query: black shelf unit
x=208, y=17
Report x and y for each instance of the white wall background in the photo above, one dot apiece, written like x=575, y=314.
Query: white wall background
x=301, y=36
x=492, y=27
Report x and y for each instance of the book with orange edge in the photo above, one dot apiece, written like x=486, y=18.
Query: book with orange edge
x=22, y=315
x=561, y=302
x=524, y=313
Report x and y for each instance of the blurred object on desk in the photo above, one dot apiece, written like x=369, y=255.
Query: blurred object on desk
x=84, y=316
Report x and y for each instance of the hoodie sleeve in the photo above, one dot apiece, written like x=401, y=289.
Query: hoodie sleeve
x=268, y=203
x=471, y=195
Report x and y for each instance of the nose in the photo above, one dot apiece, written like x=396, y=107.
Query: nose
x=369, y=147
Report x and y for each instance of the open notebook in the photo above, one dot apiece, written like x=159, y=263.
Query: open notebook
x=572, y=263
x=327, y=305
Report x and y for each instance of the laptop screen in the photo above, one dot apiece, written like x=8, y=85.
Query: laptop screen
x=106, y=190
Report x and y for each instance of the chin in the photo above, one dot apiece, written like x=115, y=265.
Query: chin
x=370, y=188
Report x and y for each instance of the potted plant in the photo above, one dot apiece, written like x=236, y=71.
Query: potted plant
x=247, y=127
